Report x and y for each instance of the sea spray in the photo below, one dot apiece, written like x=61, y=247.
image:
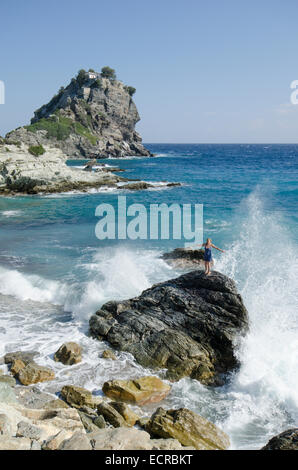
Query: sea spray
x=263, y=260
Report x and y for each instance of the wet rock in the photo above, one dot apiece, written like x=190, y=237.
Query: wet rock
x=287, y=440
x=137, y=186
x=79, y=397
x=78, y=441
x=69, y=353
x=141, y=391
x=108, y=354
x=188, y=428
x=126, y=412
x=33, y=373
x=189, y=325
x=185, y=258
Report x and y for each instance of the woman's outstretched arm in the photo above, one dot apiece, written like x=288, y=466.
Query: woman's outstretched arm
x=219, y=249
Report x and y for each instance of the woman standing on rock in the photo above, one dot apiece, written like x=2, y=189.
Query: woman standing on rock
x=208, y=255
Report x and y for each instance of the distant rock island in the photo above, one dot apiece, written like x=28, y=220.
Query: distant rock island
x=94, y=116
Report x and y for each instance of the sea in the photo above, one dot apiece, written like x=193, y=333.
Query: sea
x=55, y=273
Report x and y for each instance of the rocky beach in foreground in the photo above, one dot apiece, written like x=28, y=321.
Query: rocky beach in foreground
x=188, y=325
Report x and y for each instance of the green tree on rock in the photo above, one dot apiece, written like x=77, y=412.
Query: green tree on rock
x=107, y=72
x=81, y=77
x=130, y=90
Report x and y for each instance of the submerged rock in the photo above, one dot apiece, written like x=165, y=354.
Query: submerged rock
x=188, y=325
x=287, y=440
x=188, y=428
x=141, y=391
x=69, y=353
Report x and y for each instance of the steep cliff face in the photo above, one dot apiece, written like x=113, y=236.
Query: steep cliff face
x=92, y=116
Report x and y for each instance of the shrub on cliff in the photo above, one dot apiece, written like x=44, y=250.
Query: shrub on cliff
x=81, y=77
x=130, y=90
x=36, y=150
x=60, y=127
x=97, y=84
x=107, y=72
x=24, y=184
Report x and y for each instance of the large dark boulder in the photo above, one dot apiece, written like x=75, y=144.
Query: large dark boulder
x=185, y=258
x=287, y=440
x=188, y=325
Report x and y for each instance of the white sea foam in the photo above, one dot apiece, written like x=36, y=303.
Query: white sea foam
x=14, y=213
x=264, y=262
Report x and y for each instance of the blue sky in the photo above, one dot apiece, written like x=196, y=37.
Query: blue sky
x=216, y=71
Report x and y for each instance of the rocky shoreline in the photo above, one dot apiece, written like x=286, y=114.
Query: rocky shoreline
x=21, y=173
x=189, y=325
x=78, y=420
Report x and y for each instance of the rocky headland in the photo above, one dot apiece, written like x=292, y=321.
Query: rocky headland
x=94, y=115
x=39, y=169
x=189, y=325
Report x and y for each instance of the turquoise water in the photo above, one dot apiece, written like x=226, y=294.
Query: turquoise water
x=54, y=273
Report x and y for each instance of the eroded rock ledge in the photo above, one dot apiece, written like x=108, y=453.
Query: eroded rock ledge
x=188, y=325
x=24, y=173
